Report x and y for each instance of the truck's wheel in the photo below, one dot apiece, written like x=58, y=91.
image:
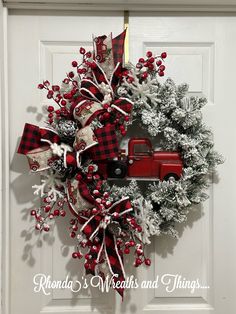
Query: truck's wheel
x=117, y=169
x=171, y=176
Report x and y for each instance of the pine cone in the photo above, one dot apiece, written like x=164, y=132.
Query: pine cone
x=67, y=130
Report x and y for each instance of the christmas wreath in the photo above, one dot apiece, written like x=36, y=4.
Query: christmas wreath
x=83, y=165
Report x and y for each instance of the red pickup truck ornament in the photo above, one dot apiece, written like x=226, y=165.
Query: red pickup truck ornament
x=143, y=162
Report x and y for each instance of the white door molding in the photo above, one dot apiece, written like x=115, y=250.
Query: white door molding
x=4, y=168
x=216, y=6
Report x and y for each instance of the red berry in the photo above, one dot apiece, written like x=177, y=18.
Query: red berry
x=71, y=74
x=94, y=249
x=46, y=228
x=141, y=60
x=46, y=83
x=132, y=221
x=144, y=75
x=50, y=108
x=88, y=54
x=96, y=192
x=74, y=64
x=72, y=234
x=149, y=54
x=73, y=92
x=75, y=228
x=91, y=168
x=55, y=88
x=60, y=203
x=50, y=121
x=161, y=73
x=131, y=243
x=56, y=212
x=150, y=66
x=126, y=250
x=119, y=242
x=50, y=94
x=89, y=177
x=139, y=229
x=121, y=127
x=105, y=194
x=74, y=255
x=116, y=215
x=126, y=118
x=158, y=63
x=40, y=86
x=62, y=213
x=86, y=266
x=72, y=221
x=130, y=79
x=51, y=216
x=106, y=106
x=37, y=227
x=96, y=177
x=78, y=177
x=82, y=51
x=94, y=211
x=79, y=254
x=67, y=96
x=106, y=116
x=87, y=256
x=33, y=212
x=162, y=68
x=138, y=261
x=164, y=55
x=151, y=60
x=47, y=208
x=139, y=252
x=127, y=244
x=147, y=261
x=80, y=71
x=50, y=115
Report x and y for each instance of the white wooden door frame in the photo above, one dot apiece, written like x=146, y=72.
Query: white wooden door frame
x=197, y=6
x=221, y=6
x=4, y=169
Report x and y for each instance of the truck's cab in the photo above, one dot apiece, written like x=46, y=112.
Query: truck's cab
x=144, y=162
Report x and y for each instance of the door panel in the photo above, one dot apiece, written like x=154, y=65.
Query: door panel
x=196, y=48
x=42, y=47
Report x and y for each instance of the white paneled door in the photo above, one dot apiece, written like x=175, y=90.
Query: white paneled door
x=201, y=51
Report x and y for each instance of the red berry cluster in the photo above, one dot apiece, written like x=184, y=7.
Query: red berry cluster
x=140, y=257
x=54, y=92
x=86, y=64
x=48, y=211
x=153, y=64
x=64, y=99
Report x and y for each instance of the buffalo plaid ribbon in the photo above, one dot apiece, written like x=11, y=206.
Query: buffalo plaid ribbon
x=84, y=191
x=100, y=77
x=118, y=47
x=99, y=74
x=90, y=90
x=33, y=136
x=107, y=144
x=108, y=241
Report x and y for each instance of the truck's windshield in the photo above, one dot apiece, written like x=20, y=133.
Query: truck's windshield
x=141, y=149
